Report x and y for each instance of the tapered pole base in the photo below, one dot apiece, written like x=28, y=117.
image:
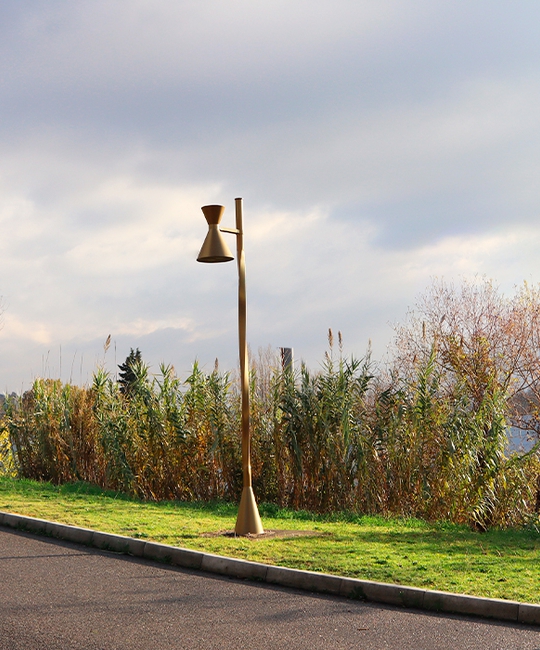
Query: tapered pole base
x=248, y=520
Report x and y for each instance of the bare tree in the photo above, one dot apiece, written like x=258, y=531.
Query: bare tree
x=482, y=340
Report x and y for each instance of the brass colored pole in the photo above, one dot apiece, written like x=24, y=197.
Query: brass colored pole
x=248, y=520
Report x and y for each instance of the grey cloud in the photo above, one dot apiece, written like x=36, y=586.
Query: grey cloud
x=400, y=124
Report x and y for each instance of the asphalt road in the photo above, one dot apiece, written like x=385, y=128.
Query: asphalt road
x=59, y=596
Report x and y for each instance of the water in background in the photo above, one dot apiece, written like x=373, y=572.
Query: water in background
x=520, y=440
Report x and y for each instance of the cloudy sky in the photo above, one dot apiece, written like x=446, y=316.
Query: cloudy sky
x=376, y=145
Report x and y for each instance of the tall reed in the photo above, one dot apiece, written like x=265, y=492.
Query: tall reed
x=348, y=437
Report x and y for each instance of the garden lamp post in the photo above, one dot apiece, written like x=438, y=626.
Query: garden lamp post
x=215, y=249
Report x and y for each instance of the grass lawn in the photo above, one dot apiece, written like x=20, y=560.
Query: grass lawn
x=496, y=564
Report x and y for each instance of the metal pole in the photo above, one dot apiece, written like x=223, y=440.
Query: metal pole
x=248, y=520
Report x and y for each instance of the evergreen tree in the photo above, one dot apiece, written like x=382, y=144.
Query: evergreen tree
x=127, y=375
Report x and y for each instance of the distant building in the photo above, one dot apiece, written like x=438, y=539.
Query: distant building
x=287, y=358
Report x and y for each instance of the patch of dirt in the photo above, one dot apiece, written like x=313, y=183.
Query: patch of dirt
x=268, y=534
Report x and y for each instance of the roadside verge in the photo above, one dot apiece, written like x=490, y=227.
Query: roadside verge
x=378, y=592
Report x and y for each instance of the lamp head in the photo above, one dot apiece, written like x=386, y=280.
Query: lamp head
x=214, y=248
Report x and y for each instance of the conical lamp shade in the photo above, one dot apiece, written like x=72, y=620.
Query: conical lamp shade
x=214, y=248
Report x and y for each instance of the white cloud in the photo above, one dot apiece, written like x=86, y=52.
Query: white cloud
x=17, y=328
x=141, y=327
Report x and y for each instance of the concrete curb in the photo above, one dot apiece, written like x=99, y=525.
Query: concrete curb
x=377, y=592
